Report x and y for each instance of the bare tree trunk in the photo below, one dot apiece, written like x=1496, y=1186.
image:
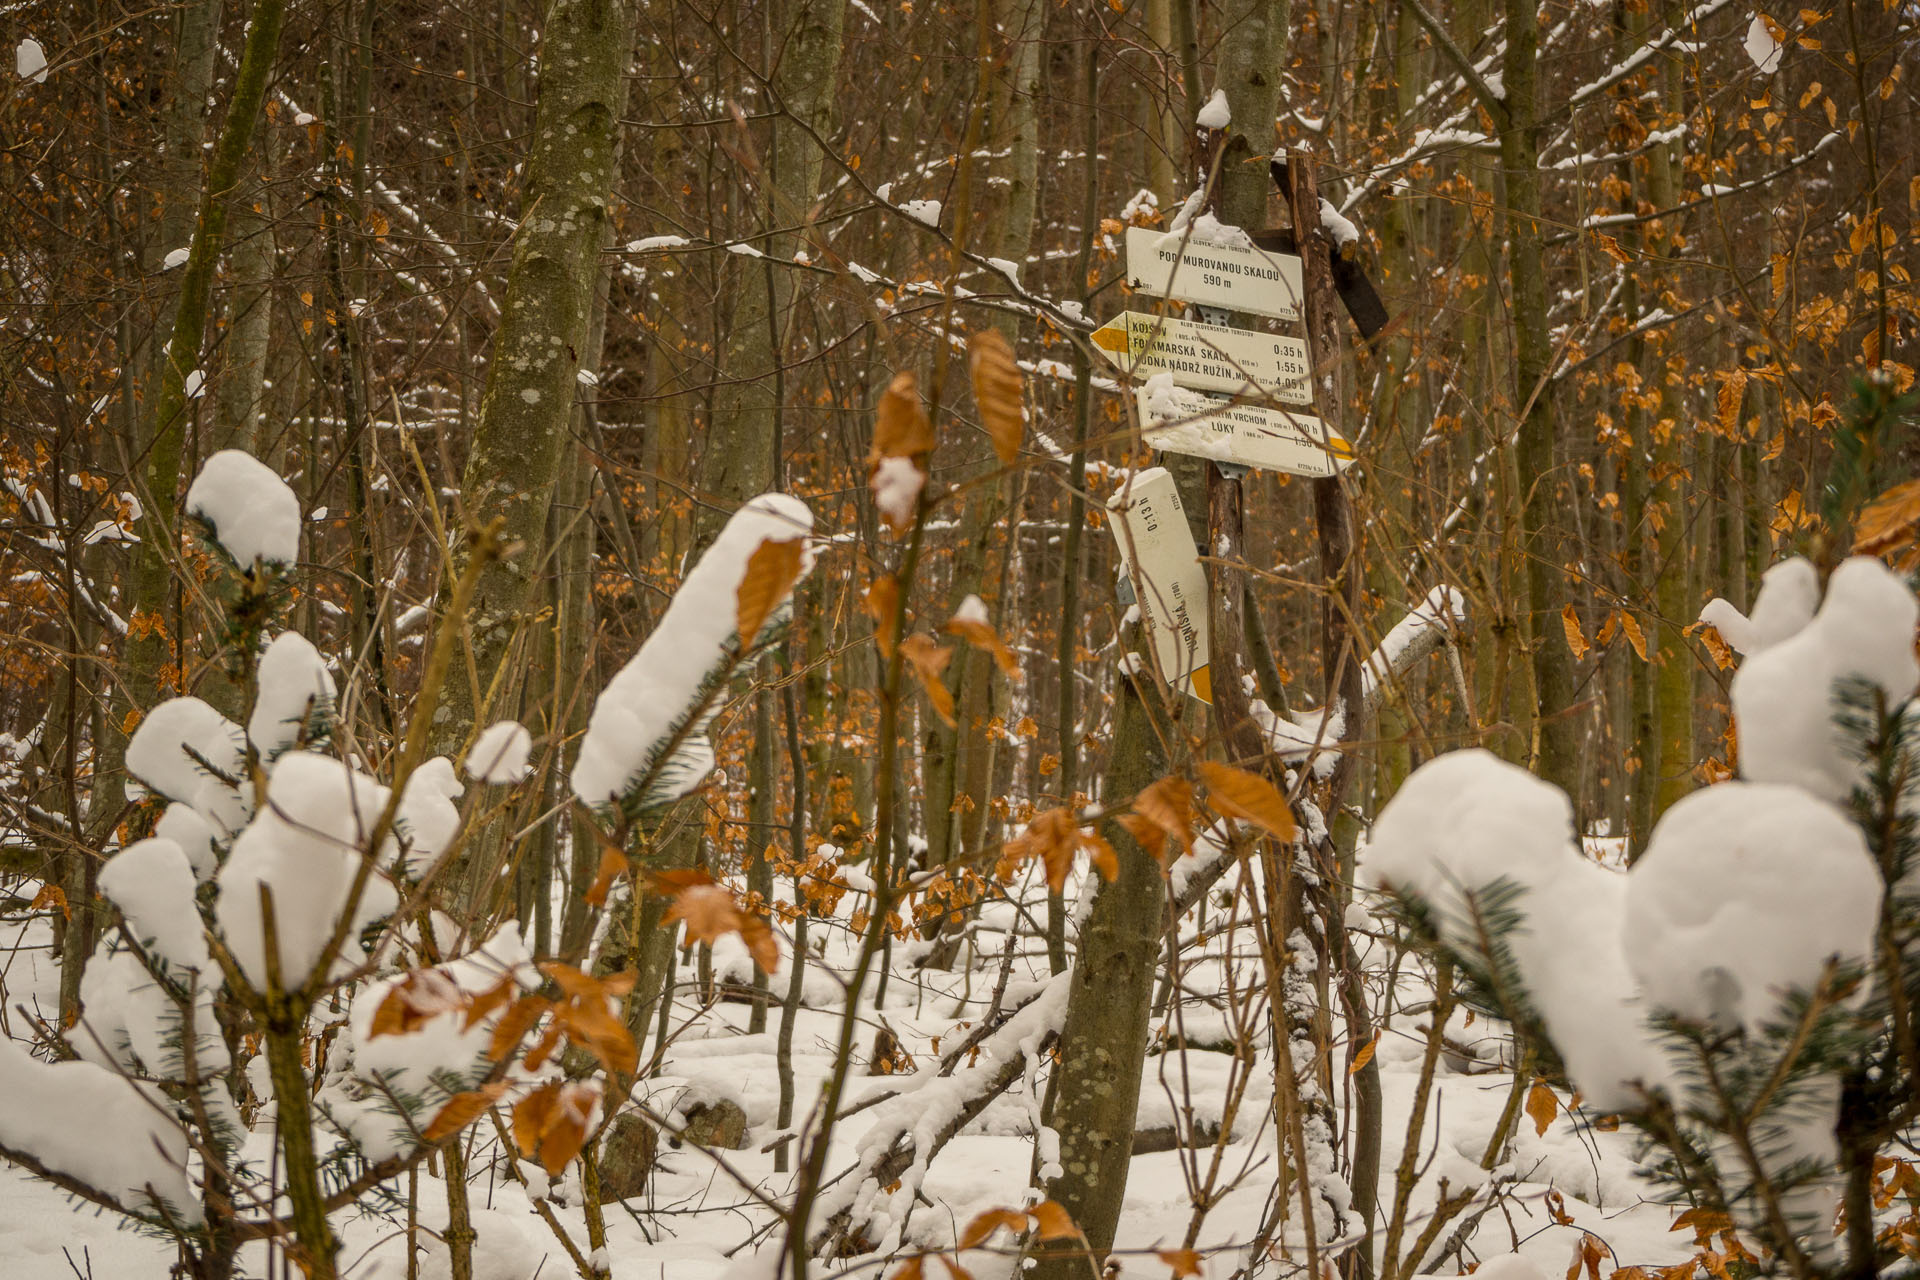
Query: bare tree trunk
x=534, y=366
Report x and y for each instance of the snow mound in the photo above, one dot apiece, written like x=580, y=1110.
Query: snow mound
x=1746, y=891
x=1761, y=47
x=252, y=512
x=1466, y=831
x=1783, y=696
x=427, y=818
x=1216, y=114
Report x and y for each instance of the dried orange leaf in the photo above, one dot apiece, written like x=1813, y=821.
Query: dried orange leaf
x=1576, y=638
x=928, y=660
x=902, y=429
x=1162, y=812
x=985, y=1224
x=413, y=1001
x=1182, y=1262
x=1248, y=796
x=972, y=626
x=49, y=897
x=461, y=1110
x=1635, y=637
x=514, y=1025
x=1542, y=1106
x=1051, y=1221
x=487, y=1001
x=1362, y=1058
x=1889, y=521
x=612, y=863
x=883, y=606
x=996, y=391
x=772, y=570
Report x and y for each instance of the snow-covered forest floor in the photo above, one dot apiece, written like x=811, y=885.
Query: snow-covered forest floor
x=703, y=1214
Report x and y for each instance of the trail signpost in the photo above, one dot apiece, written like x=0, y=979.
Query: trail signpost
x=1172, y=264
x=1207, y=357
x=1251, y=435
x=1156, y=548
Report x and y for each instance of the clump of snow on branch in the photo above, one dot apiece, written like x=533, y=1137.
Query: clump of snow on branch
x=179, y=742
x=1761, y=47
x=1783, y=695
x=926, y=212
x=295, y=692
x=656, y=707
x=1469, y=829
x=304, y=850
x=1789, y=596
x=30, y=61
x=152, y=884
x=1338, y=225
x=499, y=754
x=419, y=1068
x=252, y=512
x=92, y=1125
x=1194, y=226
x=1216, y=114
x=1745, y=892
x=182, y=824
x=896, y=485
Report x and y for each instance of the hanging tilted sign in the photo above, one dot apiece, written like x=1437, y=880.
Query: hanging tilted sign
x=1173, y=264
x=1175, y=420
x=1156, y=548
x=1207, y=357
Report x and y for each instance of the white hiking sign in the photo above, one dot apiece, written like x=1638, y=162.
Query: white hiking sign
x=1238, y=279
x=1207, y=357
x=1156, y=547
x=1179, y=421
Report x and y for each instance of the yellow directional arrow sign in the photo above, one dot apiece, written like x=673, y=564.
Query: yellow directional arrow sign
x=1207, y=357
x=1178, y=421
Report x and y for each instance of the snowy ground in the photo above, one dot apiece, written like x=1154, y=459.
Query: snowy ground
x=699, y=1221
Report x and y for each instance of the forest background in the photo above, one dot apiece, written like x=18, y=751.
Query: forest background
x=606, y=271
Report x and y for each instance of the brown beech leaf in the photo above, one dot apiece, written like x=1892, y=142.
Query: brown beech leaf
x=978, y=632
x=711, y=911
x=1051, y=1221
x=996, y=391
x=461, y=1110
x=1182, y=1262
x=1247, y=796
x=1732, y=393
x=1100, y=855
x=612, y=863
x=550, y=1124
x=520, y=1018
x=988, y=1222
x=954, y=1270
x=413, y=1001
x=912, y=1269
x=772, y=570
x=1889, y=521
x=1362, y=1058
x=1576, y=638
x=901, y=429
x=1542, y=1107
x=883, y=606
x=49, y=897
x=1162, y=812
x=1635, y=637
x=928, y=659
x=494, y=997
